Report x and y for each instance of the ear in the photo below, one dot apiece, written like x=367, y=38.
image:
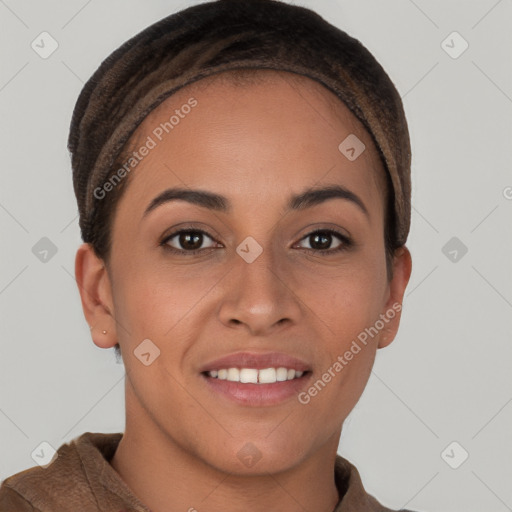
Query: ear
x=402, y=267
x=96, y=296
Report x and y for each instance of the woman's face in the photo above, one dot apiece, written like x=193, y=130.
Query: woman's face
x=258, y=273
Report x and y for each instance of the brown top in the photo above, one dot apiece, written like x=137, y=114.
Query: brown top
x=81, y=478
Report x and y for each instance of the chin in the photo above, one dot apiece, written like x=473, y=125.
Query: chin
x=256, y=457
x=257, y=464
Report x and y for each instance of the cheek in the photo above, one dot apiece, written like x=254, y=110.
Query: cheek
x=346, y=299
x=349, y=351
x=345, y=305
x=155, y=300
x=344, y=311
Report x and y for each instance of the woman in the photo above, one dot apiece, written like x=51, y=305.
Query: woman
x=242, y=171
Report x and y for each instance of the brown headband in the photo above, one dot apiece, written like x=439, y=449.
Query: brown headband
x=219, y=36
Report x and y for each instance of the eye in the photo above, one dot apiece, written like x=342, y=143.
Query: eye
x=191, y=241
x=188, y=240
x=321, y=241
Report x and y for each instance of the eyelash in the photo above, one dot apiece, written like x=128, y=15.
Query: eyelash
x=346, y=243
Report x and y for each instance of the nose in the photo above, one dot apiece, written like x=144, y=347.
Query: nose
x=259, y=296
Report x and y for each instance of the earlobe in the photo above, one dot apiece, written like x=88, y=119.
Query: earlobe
x=402, y=268
x=96, y=296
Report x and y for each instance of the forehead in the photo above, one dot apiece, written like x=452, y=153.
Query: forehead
x=252, y=127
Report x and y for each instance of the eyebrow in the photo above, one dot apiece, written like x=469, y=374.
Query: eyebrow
x=213, y=201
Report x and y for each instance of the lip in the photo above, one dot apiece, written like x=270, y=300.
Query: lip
x=258, y=361
x=257, y=395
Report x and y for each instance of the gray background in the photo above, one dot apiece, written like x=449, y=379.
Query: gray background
x=447, y=375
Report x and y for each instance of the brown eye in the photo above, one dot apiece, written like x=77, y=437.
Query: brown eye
x=188, y=240
x=322, y=240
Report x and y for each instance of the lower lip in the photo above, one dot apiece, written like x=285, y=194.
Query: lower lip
x=258, y=395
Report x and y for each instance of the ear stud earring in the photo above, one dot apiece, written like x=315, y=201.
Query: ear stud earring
x=91, y=327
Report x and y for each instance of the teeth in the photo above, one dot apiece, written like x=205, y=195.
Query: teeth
x=281, y=374
x=248, y=375
x=233, y=375
x=265, y=376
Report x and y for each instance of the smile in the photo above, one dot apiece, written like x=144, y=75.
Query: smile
x=250, y=387
x=254, y=376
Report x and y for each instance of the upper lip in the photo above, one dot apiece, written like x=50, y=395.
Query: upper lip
x=257, y=361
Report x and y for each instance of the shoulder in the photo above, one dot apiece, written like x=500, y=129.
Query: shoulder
x=354, y=496
x=43, y=488
x=12, y=501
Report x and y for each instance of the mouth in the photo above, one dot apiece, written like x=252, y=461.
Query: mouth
x=256, y=388
x=256, y=379
x=255, y=376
